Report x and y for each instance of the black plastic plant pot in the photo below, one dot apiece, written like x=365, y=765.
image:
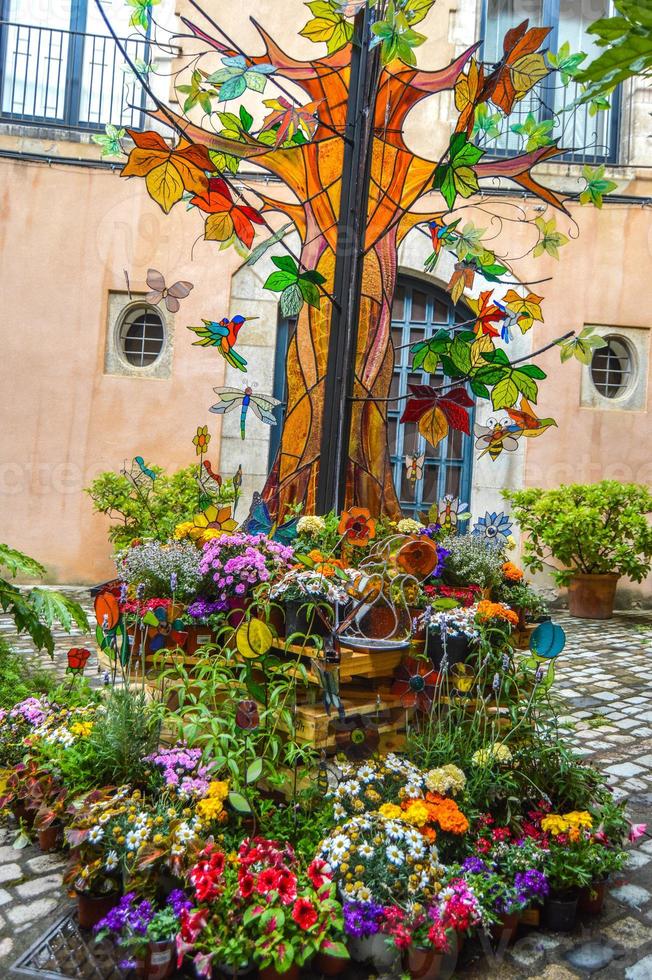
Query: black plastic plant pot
x=457, y=648
x=559, y=914
x=302, y=617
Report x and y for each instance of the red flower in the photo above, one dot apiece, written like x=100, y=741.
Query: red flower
x=246, y=882
x=316, y=873
x=287, y=887
x=304, y=913
x=268, y=880
x=77, y=659
x=501, y=833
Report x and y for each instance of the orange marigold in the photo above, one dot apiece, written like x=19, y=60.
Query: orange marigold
x=512, y=572
x=495, y=610
x=446, y=813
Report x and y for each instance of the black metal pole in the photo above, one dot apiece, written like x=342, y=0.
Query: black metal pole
x=342, y=342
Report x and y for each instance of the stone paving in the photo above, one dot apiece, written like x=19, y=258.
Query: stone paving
x=604, y=683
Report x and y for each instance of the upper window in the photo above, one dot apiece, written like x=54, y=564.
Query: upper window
x=612, y=368
x=592, y=137
x=59, y=64
x=142, y=335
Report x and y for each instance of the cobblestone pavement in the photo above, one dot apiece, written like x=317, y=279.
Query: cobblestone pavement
x=604, y=679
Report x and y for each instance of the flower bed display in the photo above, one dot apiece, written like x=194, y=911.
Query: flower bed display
x=292, y=794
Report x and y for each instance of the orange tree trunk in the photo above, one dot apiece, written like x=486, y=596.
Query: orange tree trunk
x=369, y=480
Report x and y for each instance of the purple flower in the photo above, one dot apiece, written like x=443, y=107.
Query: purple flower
x=362, y=919
x=178, y=901
x=202, y=608
x=174, y=578
x=531, y=885
x=474, y=865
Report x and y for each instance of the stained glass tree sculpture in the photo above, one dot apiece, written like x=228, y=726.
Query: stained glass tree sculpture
x=356, y=99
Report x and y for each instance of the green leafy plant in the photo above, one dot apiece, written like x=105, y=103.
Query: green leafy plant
x=36, y=612
x=627, y=41
x=472, y=561
x=123, y=735
x=595, y=528
x=153, y=512
x=596, y=185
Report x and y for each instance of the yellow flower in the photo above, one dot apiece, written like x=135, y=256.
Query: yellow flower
x=390, y=811
x=201, y=440
x=218, y=790
x=183, y=530
x=210, y=808
x=158, y=838
x=554, y=824
x=579, y=818
x=417, y=814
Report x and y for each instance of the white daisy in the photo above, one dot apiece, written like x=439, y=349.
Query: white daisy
x=366, y=774
x=95, y=835
x=184, y=833
x=338, y=811
x=394, y=854
x=365, y=850
x=133, y=840
x=111, y=862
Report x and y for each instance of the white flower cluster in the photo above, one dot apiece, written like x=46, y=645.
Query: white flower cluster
x=453, y=622
x=311, y=524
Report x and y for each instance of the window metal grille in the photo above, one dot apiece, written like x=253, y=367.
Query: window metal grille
x=611, y=368
x=142, y=336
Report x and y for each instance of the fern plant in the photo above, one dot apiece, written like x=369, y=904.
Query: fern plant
x=35, y=612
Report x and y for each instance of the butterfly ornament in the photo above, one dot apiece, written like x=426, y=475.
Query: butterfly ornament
x=159, y=291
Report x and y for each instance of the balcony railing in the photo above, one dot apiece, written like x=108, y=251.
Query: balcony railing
x=591, y=139
x=65, y=78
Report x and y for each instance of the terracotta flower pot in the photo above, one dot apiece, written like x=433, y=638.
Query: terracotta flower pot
x=330, y=966
x=592, y=596
x=198, y=636
x=92, y=908
x=427, y=964
x=591, y=899
x=158, y=963
x=50, y=838
x=504, y=932
x=271, y=973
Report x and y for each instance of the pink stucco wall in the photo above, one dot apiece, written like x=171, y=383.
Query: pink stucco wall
x=67, y=234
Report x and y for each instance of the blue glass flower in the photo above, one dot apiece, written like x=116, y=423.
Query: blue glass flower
x=492, y=527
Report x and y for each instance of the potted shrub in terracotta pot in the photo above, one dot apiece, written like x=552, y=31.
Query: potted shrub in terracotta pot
x=597, y=532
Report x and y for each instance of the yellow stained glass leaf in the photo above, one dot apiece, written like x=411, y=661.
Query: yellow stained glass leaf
x=527, y=71
x=253, y=639
x=165, y=185
x=433, y=426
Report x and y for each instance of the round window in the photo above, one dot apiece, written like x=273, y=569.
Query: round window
x=612, y=368
x=142, y=335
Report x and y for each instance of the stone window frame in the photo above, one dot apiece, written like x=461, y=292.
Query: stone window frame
x=634, y=397
x=115, y=362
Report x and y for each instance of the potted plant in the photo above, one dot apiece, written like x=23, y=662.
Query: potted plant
x=567, y=870
x=519, y=596
x=302, y=591
x=232, y=565
x=281, y=912
x=47, y=797
x=598, y=532
x=450, y=633
x=146, y=935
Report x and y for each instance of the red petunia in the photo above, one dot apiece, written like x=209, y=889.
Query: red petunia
x=318, y=874
x=268, y=880
x=246, y=883
x=304, y=913
x=287, y=887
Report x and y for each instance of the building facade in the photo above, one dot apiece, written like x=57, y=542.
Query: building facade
x=92, y=375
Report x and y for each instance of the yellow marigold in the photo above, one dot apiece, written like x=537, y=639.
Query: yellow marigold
x=183, y=530
x=416, y=813
x=498, y=753
x=82, y=728
x=390, y=811
x=579, y=818
x=218, y=790
x=210, y=808
x=554, y=824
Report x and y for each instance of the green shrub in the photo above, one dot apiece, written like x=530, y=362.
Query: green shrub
x=596, y=528
x=152, y=510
